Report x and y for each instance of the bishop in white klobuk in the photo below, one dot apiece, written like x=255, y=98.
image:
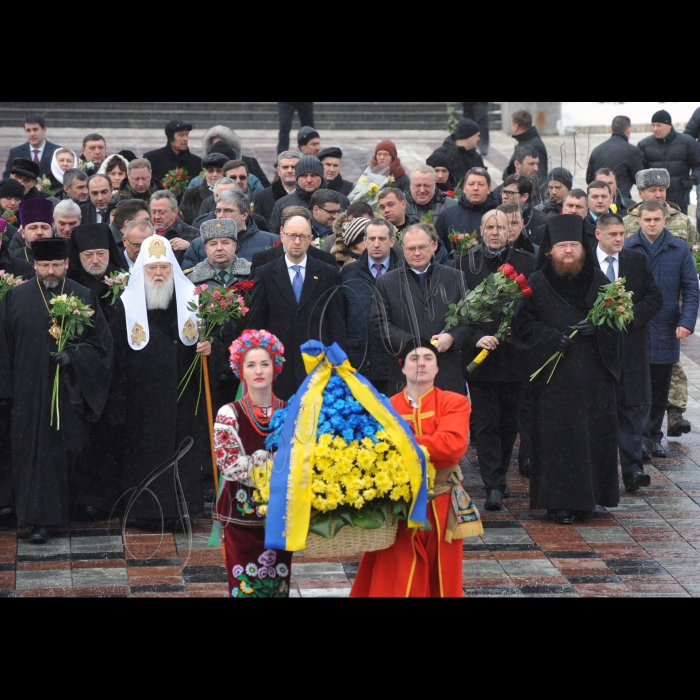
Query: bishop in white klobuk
x=156, y=341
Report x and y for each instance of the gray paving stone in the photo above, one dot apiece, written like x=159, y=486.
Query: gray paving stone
x=84, y=578
x=482, y=569
x=59, y=545
x=661, y=546
x=505, y=536
x=494, y=592
x=693, y=589
x=88, y=545
x=329, y=570
x=643, y=522
x=529, y=567
x=663, y=595
x=325, y=593
x=677, y=567
x=603, y=534
x=54, y=578
x=197, y=542
x=672, y=504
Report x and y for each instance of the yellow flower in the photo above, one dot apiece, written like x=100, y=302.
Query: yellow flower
x=381, y=447
x=365, y=459
x=262, y=510
x=245, y=588
x=325, y=440
x=369, y=494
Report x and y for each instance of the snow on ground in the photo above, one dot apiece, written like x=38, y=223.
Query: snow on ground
x=602, y=113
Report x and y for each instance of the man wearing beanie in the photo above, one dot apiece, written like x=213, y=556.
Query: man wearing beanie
x=441, y=164
x=48, y=459
x=309, y=141
x=36, y=218
x=678, y=153
x=286, y=114
x=331, y=159
x=460, y=149
x=559, y=184
x=310, y=177
x=27, y=172
x=176, y=154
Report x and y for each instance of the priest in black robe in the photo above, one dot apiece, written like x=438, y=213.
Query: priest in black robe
x=156, y=341
x=47, y=460
x=574, y=416
x=20, y=268
x=93, y=256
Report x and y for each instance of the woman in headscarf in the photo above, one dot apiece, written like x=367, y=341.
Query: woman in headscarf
x=116, y=168
x=240, y=429
x=385, y=157
x=63, y=159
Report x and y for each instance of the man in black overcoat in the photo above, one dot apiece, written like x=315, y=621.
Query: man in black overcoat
x=289, y=299
x=634, y=388
x=176, y=153
x=411, y=305
x=47, y=455
x=574, y=414
x=495, y=387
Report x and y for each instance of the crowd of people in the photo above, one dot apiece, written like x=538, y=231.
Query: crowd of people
x=88, y=427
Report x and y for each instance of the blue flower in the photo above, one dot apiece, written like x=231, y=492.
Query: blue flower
x=251, y=570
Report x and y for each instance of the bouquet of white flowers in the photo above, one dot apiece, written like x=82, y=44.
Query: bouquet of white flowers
x=369, y=185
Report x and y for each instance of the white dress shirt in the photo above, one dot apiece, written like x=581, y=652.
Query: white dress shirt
x=604, y=264
x=292, y=273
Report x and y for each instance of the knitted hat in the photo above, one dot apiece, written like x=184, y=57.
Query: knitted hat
x=256, y=339
x=653, y=177
x=25, y=167
x=661, y=117
x=218, y=228
x=32, y=211
x=438, y=160
x=309, y=164
x=225, y=148
x=561, y=175
x=215, y=160
x=465, y=129
x=11, y=188
x=172, y=127
x=354, y=231
x=333, y=152
x=305, y=134
x=50, y=248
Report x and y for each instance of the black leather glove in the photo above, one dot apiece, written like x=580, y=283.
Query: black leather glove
x=62, y=359
x=564, y=344
x=586, y=327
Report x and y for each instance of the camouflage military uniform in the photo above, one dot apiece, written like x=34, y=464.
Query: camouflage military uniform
x=682, y=227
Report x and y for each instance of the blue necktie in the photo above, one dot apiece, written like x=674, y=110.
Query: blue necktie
x=611, y=270
x=297, y=282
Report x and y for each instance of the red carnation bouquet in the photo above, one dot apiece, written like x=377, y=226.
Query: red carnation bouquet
x=612, y=307
x=213, y=310
x=500, y=293
x=176, y=181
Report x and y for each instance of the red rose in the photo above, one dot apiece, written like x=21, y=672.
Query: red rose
x=527, y=291
x=277, y=243
x=450, y=193
x=520, y=279
x=607, y=302
x=508, y=270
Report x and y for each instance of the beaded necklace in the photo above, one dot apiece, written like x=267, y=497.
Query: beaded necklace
x=260, y=426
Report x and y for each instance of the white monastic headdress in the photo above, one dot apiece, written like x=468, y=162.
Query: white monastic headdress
x=157, y=249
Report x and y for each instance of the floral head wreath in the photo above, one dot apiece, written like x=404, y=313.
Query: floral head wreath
x=256, y=339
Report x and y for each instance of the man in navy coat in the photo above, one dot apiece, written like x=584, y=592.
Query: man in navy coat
x=36, y=148
x=293, y=298
x=674, y=273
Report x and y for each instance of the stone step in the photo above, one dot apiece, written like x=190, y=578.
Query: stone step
x=240, y=115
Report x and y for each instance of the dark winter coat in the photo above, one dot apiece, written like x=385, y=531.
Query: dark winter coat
x=437, y=205
x=298, y=198
x=340, y=185
x=18, y=249
x=273, y=307
x=277, y=251
x=192, y=201
x=366, y=353
x=406, y=309
x=618, y=154
x=501, y=365
x=532, y=138
x=460, y=159
x=532, y=220
x=163, y=160
x=180, y=230
x=674, y=273
x=464, y=218
x=255, y=169
x=128, y=192
x=264, y=201
x=634, y=388
x=680, y=155
x=692, y=128
x=88, y=213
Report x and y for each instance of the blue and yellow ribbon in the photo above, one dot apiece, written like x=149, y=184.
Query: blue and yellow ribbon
x=289, y=507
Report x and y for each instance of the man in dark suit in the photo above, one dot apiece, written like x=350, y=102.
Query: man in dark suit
x=276, y=252
x=94, y=211
x=36, y=149
x=634, y=388
x=288, y=300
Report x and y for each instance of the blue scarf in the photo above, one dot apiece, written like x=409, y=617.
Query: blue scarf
x=653, y=249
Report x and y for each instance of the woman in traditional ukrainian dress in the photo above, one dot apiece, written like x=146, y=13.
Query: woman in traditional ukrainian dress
x=240, y=430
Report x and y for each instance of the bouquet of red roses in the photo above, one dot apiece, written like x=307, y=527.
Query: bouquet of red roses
x=498, y=293
x=176, y=181
x=612, y=307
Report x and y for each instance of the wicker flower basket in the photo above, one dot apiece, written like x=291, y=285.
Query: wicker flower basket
x=350, y=541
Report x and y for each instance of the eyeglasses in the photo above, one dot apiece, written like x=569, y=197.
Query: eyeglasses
x=510, y=193
x=302, y=237
x=242, y=178
x=332, y=212
x=417, y=249
x=568, y=244
x=45, y=267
